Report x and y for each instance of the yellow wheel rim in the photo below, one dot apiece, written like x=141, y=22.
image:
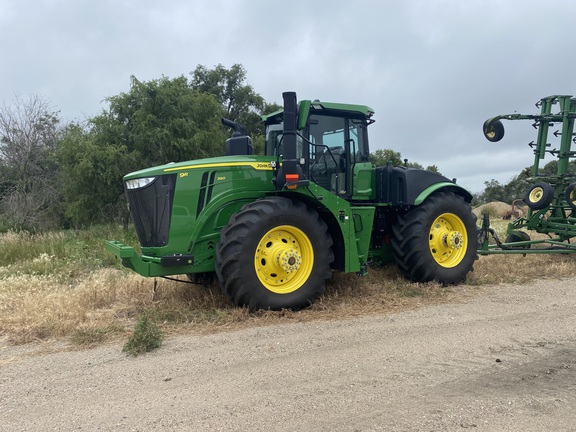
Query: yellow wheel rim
x=448, y=240
x=284, y=259
x=536, y=194
x=572, y=197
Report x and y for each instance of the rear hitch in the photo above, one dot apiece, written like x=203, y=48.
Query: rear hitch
x=484, y=235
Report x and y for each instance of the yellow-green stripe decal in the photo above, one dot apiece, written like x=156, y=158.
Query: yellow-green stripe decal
x=263, y=166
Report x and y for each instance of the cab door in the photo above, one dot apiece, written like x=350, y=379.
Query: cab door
x=339, y=159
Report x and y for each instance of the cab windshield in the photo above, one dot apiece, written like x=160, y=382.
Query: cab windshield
x=273, y=147
x=327, y=148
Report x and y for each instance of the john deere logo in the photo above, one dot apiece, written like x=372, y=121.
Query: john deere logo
x=183, y=174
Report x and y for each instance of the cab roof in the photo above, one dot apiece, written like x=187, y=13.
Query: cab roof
x=306, y=106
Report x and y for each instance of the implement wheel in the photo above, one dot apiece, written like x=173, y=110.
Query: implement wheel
x=571, y=195
x=493, y=132
x=518, y=236
x=436, y=240
x=539, y=196
x=274, y=254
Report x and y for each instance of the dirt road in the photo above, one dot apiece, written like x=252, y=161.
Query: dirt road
x=503, y=360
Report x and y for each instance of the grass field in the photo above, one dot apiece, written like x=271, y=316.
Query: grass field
x=64, y=286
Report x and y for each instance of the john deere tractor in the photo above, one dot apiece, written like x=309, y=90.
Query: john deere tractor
x=274, y=227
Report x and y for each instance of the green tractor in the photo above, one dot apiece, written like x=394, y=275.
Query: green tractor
x=274, y=227
x=551, y=198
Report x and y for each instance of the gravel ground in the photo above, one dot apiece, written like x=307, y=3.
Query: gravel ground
x=501, y=360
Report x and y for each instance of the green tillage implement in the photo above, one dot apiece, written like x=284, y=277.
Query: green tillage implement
x=551, y=199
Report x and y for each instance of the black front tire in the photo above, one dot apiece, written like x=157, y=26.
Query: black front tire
x=274, y=254
x=436, y=240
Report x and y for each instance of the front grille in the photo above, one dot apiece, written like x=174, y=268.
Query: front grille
x=151, y=208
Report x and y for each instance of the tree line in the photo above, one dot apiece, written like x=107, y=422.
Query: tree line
x=517, y=186
x=56, y=175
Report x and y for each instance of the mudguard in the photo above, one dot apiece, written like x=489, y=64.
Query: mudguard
x=410, y=186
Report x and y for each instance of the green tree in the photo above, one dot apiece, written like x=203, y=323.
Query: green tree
x=239, y=100
x=91, y=176
x=382, y=157
x=156, y=122
x=493, y=191
x=163, y=120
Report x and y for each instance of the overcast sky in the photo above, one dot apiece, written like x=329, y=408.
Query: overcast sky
x=433, y=70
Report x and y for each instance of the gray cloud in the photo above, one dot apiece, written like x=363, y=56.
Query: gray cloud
x=432, y=70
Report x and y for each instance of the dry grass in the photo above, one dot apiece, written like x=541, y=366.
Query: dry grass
x=45, y=295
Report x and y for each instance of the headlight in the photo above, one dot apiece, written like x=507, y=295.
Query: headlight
x=139, y=182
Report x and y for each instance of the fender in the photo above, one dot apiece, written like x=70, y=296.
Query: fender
x=411, y=186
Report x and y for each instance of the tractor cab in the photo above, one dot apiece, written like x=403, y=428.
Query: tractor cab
x=331, y=145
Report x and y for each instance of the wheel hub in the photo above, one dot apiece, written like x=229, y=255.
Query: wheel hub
x=453, y=240
x=289, y=260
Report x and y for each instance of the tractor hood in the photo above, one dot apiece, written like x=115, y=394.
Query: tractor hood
x=256, y=162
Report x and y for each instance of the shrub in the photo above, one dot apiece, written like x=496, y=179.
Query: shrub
x=147, y=336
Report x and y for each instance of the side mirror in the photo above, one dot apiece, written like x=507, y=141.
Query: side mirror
x=493, y=130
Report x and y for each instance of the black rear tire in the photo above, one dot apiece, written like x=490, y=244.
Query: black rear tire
x=274, y=254
x=436, y=240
